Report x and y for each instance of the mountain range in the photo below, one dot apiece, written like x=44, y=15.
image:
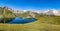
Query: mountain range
x=47, y=12
x=8, y=12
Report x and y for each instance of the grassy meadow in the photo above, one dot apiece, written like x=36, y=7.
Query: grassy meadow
x=44, y=23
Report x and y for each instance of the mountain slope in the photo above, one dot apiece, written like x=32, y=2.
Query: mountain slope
x=5, y=12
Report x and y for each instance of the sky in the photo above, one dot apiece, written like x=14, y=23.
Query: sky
x=31, y=4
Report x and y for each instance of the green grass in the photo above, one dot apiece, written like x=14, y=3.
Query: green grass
x=43, y=23
x=49, y=19
x=46, y=23
x=30, y=27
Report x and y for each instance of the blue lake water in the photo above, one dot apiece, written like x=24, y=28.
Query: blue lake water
x=22, y=20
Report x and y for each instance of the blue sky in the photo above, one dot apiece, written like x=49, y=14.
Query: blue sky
x=31, y=4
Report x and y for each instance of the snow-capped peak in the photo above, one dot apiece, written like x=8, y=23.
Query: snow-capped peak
x=53, y=11
x=48, y=12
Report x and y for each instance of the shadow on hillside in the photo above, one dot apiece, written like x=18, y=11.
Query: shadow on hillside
x=5, y=20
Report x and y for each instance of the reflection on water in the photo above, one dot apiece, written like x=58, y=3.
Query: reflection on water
x=16, y=20
x=5, y=20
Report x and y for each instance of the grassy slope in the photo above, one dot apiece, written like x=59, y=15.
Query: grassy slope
x=42, y=24
x=6, y=13
x=39, y=25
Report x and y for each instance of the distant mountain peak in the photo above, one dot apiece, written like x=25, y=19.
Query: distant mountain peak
x=47, y=12
x=53, y=11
